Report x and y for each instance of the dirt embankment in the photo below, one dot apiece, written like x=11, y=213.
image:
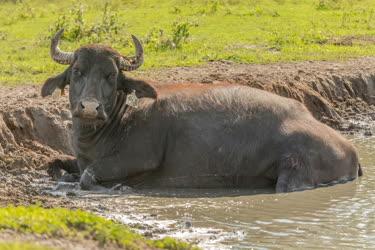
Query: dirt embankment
x=34, y=130
x=337, y=93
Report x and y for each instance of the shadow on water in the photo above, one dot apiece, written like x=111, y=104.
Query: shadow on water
x=73, y=190
x=201, y=193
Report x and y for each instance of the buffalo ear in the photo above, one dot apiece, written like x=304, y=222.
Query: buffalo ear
x=142, y=88
x=59, y=81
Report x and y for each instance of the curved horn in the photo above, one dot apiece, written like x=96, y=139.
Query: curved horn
x=57, y=54
x=133, y=63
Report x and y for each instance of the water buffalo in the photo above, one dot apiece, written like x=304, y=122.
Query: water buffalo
x=190, y=136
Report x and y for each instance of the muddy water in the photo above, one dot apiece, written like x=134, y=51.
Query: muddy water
x=341, y=216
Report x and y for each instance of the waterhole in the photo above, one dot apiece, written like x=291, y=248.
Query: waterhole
x=340, y=216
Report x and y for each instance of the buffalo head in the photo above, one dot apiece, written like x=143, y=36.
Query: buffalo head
x=95, y=75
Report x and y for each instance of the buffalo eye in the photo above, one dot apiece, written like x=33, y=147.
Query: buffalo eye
x=111, y=76
x=77, y=72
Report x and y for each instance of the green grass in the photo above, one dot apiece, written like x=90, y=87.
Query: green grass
x=23, y=246
x=185, y=32
x=77, y=224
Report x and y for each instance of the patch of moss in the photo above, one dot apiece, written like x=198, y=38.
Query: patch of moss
x=78, y=224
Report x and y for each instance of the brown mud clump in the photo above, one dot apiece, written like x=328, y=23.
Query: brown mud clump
x=35, y=130
x=32, y=132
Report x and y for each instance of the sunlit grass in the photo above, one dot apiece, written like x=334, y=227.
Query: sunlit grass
x=23, y=246
x=77, y=224
x=250, y=31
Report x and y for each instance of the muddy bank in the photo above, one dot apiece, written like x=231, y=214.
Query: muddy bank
x=337, y=93
x=34, y=131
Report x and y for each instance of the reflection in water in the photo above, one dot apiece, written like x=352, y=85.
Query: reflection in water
x=341, y=216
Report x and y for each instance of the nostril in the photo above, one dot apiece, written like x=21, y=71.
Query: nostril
x=90, y=108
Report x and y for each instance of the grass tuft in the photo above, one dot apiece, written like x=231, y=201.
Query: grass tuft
x=77, y=224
